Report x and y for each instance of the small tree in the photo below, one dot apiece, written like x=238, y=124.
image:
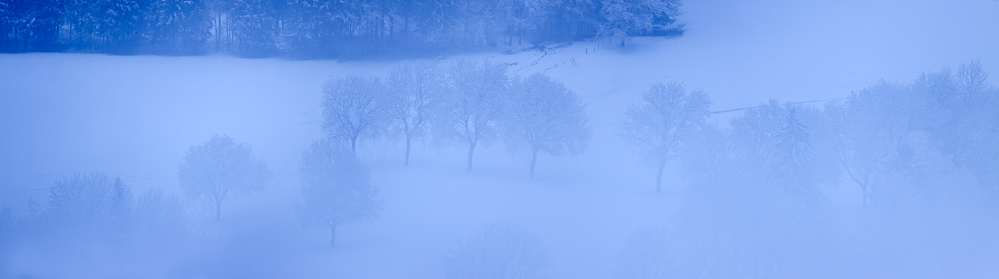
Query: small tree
x=651, y=253
x=414, y=88
x=354, y=107
x=7, y=219
x=499, y=252
x=90, y=199
x=472, y=104
x=544, y=116
x=662, y=127
x=336, y=188
x=221, y=167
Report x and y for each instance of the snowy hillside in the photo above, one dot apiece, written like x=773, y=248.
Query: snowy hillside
x=136, y=116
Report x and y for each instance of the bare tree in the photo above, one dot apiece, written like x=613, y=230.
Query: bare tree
x=544, y=116
x=499, y=252
x=472, y=104
x=414, y=88
x=336, y=188
x=871, y=129
x=652, y=253
x=661, y=127
x=354, y=107
x=219, y=168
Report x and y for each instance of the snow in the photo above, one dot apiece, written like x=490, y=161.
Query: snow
x=135, y=116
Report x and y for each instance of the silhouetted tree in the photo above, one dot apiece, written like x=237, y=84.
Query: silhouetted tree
x=336, y=188
x=871, y=129
x=471, y=105
x=219, y=168
x=355, y=108
x=664, y=124
x=414, y=89
x=544, y=116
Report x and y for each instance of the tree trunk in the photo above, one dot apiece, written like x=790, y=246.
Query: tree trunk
x=863, y=189
x=408, y=140
x=534, y=161
x=332, y=236
x=353, y=145
x=471, y=150
x=218, y=211
x=659, y=178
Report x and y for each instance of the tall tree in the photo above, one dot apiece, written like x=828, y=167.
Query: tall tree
x=792, y=164
x=967, y=131
x=355, y=108
x=415, y=88
x=472, y=106
x=871, y=128
x=664, y=124
x=219, y=168
x=336, y=188
x=544, y=116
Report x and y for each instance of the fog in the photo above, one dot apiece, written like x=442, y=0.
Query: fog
x=775, y=139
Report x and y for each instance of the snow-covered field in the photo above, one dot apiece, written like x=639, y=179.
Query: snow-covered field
x=135, y=116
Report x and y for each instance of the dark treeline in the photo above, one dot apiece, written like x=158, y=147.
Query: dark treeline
x=319, y=28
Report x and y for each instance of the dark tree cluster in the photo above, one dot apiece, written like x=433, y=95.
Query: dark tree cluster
x=319, y=28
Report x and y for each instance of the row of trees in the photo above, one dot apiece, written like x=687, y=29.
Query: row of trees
x=336, y=190
x=336, y=187
x=920, y=156
x=318, y=28
x=463, y=103
x=873, y=136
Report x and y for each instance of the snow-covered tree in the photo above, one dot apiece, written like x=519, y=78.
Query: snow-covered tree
x=793, y=161
x=663, y=125
x=90, y=199
x=871, y=128
x=544, y=116
x=254, y=27
x=471, y=105
x=414, y=89
x=336, y=188
x=638, y=17
x=178, y=26
x=781, y=145
x=499, y=252
x=219, y=168
x=355, y=108
x=967, y=130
